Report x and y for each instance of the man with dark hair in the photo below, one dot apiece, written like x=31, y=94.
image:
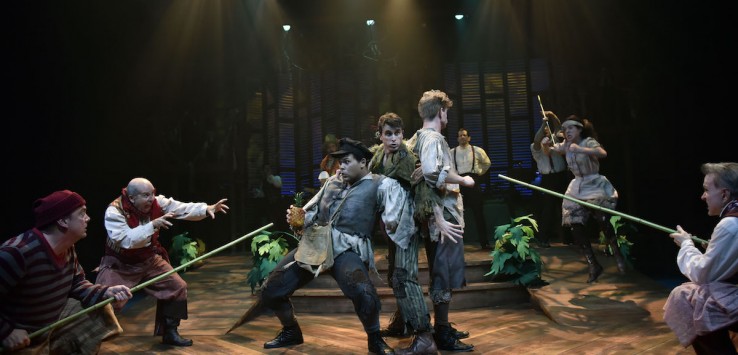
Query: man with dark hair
x=470, y=160
x=554, y=176
x=350, y=201
x=42, y=281
x=133, y=252
x=393, y=159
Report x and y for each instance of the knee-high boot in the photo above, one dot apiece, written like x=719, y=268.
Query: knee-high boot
x=612, y=241
x=580, y=237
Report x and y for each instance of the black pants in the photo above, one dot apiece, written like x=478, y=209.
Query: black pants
x=348, y=270
x=717, y=342
x=550, y=207
x=474, y=199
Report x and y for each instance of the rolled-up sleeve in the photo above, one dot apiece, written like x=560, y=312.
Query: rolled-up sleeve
x=397, y=212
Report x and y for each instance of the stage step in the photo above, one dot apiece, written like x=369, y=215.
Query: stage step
x=323, y=295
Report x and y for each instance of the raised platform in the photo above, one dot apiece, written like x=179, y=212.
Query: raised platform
x=617, y=315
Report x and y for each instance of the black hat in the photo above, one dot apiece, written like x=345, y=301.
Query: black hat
x=350, y=146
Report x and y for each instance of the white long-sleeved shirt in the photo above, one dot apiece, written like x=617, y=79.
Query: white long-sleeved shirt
x=720, y=260
x=397, y=215
x=120, y=235
x=465, y=163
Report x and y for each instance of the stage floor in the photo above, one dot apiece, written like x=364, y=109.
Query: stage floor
x=620, y=314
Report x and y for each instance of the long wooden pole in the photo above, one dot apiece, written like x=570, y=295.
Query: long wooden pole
x=144, y=284
x=603, y=209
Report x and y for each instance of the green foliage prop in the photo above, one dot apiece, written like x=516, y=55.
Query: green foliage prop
x=184, y=250
x=623, y=229
x=513, y=255
x=267, y=249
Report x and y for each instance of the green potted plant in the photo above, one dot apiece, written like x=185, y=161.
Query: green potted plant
x=623, y=229
x=268, y=248
x=513, y=255
x=184, y=250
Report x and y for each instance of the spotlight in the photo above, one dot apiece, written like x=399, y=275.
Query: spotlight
x=459, y=16
x=370, y=22
x=286, y=28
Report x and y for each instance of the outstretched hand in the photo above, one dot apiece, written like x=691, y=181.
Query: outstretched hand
x=218, y=207
x=162, y=222
x=448, y=230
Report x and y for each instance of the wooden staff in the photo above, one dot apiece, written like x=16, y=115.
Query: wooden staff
x=545, y=120
x=143, y=285
x=603, y=209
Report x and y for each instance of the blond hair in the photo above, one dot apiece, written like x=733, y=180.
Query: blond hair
x=432, y=102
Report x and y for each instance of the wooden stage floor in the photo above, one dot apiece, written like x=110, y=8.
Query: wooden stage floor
x=616, y=315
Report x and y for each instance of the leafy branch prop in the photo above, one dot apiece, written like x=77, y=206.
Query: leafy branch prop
x=623, y=229
x=513, y=255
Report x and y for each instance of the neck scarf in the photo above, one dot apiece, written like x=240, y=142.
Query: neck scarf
x=730, y=210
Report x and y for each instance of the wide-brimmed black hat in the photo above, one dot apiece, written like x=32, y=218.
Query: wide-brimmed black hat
x=350, y=146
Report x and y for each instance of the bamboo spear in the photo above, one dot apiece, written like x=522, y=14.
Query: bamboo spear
x=545, y=120
x=143, y=285
x=603, y=209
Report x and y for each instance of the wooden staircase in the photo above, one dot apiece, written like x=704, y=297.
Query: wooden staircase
x=323, y=295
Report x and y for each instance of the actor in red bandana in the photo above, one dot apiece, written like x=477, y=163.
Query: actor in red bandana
x=133, y=252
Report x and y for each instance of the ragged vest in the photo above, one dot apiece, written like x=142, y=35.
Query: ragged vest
x=358, y=213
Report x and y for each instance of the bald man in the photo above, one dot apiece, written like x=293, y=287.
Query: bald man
x=133, y=252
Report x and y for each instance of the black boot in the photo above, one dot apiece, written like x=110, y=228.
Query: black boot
x=580, y=237
x=377, y=345
x=423, y=344
x=446, y=339
x=290, y=335
x=171, y=335
x=612, y=241
x=396, y=327
x=460, y=334
x=595, y=269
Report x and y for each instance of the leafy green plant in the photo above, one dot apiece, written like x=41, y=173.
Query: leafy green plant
x=513, y=255
x=184, y=250
x=267, y=249
x=623, y=229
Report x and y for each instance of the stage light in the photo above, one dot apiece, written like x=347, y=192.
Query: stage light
x=286, y=28
x=370, y=22
x=459, y=16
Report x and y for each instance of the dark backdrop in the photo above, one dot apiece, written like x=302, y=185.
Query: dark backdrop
x=85, y=80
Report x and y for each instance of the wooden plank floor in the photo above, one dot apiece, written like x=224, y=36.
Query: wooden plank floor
x=618, y=315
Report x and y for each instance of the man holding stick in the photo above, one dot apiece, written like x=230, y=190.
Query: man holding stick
x=702, y=311
x=42, y=281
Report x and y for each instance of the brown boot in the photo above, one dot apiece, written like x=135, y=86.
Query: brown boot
x=423, y=344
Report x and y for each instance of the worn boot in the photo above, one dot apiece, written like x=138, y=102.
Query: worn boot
x=446, y=339
x=171, y=335
x=595, y=269
x=396, y=327
x=459, y=334
x=377, y=345
x=289, y=335
x=580, y=238
x=423, y=344
x=619, y=259
x=612, y=241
